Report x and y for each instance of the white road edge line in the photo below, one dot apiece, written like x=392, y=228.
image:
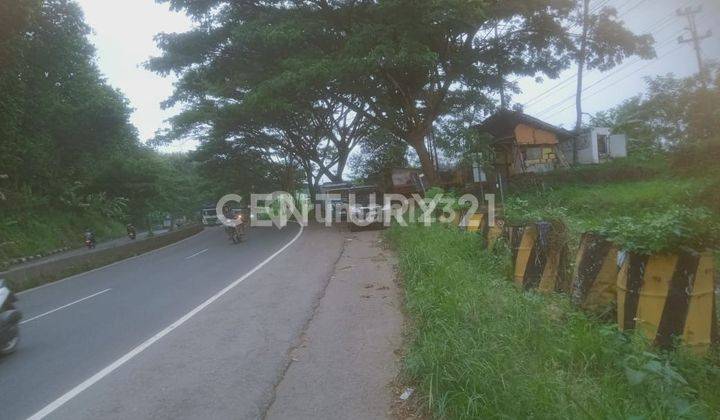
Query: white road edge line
x=64, y=306
x=48, y=409
x=197, y=253
x=109, y=265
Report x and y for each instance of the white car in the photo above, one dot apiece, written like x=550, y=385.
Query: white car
x=366, y=215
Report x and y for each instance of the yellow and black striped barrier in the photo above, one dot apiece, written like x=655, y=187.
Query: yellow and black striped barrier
x=669, y=296
x=495, y=232
x=475, y=222
x=595, y=275
x=539, y=258
x=513, y=236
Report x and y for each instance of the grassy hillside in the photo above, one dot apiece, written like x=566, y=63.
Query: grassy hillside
x=38, y=232
x=646, y=207
x=481, y=348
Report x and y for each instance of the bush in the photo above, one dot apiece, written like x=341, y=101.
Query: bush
x=666, y=231
x=625, y=169
x=699, y=158
x=649, y=215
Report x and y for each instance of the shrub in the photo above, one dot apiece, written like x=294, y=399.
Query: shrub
x=665, y=231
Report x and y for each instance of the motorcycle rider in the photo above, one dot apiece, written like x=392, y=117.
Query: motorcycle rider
x=236, y=228
x=9, y=320
x=131, y=231
x=90, y=238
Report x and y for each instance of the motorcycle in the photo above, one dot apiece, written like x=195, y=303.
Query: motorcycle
x=236, y=232
x=131, y=232
x=9, y=320
x=90, y=241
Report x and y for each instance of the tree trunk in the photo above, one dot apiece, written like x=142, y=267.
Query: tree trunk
x=417, y=141
x=581, y=66
x=310, y=182
x=342, y=161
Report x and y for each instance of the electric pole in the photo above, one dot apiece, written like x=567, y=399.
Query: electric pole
x=690, y=13
x=501, y=76
x=581, y=66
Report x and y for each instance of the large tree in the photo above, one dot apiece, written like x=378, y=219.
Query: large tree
x=59, y=120
x=223, y=66
x=411, y=62
x=66, y=140
x=400, y=64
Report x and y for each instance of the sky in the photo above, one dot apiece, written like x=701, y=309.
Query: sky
x=123, y=36
x=604, y=90
x=124, y=31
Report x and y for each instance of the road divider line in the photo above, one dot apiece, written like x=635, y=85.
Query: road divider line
x=64, y=306
x=50, y=408
x=197, y=253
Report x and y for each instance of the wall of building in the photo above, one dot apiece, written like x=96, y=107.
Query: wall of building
x=587, y=147
x=617, y=145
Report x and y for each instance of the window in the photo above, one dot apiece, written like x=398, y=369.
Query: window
x=533, y=153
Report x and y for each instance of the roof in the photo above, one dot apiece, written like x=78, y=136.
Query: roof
x=334, y=186
x=364, y=188
x=502, y=124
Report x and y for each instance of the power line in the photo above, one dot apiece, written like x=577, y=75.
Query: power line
x=665, y=20
x=631, y=8
x=615, y=82
x=690, y=13
x=534, y=99
x=612, y=73
x=599, y=6
x=592, y=10
x=658, y=27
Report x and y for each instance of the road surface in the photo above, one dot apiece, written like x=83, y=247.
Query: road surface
x=202, y=328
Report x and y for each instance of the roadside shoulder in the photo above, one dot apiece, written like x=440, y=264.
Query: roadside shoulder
x=347, y=359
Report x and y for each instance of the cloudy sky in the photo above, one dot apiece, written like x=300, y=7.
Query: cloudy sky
x=124, y=32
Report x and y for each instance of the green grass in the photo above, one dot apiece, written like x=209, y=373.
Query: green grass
x=658, y=212
x=31, y=233
x=480, y=348
x=586, y=206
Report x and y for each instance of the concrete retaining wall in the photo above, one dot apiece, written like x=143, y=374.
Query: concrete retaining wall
x=41, y=273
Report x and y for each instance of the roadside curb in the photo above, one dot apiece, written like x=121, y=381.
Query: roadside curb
x=26, y=278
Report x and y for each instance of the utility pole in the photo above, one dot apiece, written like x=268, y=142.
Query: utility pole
x=690, y=13
x=581, y=66
x=503, y=102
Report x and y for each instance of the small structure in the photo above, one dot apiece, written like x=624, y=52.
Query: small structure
x=407, y=181
x=342, y=188
x=524, y=144
x=595, y=145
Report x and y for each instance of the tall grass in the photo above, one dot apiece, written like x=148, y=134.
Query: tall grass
x=657, y=215
x=35, y=232
x=480, y=348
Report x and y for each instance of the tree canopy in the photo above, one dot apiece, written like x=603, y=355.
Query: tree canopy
x=398, y=65
x=65, y=134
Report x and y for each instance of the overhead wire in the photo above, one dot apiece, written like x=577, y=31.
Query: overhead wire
x=617, y=81
x=658, y=26
x=617, y=70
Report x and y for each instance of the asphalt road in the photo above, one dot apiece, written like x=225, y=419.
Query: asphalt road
x=194, y=330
